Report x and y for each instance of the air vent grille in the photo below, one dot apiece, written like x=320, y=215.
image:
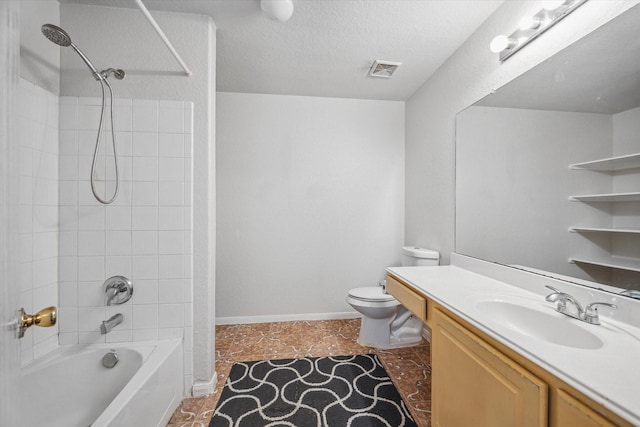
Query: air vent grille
x=385, y=69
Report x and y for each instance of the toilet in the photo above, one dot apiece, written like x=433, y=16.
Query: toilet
x=385, y=322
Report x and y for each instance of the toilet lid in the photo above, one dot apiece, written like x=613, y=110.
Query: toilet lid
x=370, y=293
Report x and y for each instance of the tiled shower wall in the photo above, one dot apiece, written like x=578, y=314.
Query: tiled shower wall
x=144, y=235
x=38, y=206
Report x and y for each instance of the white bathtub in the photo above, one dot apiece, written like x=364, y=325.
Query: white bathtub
x=70, y=387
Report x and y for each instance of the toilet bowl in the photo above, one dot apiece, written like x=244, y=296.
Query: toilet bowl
x=385, y=322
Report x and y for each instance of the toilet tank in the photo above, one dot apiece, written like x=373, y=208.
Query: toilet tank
x=415, y=255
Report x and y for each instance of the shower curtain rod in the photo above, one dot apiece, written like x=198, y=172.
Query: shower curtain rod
x=164, y=38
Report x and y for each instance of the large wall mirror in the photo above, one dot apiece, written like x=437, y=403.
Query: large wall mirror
x=548, y=166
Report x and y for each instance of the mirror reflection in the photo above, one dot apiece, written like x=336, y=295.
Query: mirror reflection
x=548, y=166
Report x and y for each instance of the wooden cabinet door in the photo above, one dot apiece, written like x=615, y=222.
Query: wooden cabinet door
x=473, y=384
x=567, y=411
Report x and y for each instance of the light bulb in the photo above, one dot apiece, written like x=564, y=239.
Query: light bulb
x=531, y=23
x=277, y=10
x=500, y=43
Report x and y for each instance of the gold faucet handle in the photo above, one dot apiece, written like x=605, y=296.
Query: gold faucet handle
x=45, y=318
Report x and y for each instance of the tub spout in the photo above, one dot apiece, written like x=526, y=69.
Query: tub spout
x=107, y=325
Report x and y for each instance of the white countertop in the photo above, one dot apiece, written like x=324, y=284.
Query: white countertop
x=610, y=375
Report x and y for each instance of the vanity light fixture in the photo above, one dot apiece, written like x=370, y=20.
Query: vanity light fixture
x=551, y=13
x=277, y=10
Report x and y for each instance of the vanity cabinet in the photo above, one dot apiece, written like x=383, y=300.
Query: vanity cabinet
x=473, y=384
x=479, y=381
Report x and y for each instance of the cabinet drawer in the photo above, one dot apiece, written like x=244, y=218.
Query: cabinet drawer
x=413, y=301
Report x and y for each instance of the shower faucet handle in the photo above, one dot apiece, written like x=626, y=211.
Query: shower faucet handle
x=118, y=290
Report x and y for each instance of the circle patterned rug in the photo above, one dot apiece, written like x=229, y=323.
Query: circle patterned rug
x=336, y=391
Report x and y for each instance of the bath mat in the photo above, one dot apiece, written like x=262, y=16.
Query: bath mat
x=335, y=391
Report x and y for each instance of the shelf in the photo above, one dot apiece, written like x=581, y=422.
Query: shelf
x=613, y=262
x=629, y=161
x=613, y=197
x=604, y=230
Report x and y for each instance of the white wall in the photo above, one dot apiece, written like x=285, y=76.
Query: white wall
x=39, y=58
x=122, y=38
x=310, y=201
x=468, y=75
x=9, y=182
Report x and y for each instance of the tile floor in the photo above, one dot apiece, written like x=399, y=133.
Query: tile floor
x=408, y=367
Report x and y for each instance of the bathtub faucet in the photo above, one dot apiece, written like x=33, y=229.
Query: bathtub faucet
x=107, y=325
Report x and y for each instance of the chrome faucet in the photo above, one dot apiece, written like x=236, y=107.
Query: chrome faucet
x=107, y=325
x=589, y=314
x=118, y=290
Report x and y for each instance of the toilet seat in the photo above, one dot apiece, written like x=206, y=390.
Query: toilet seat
x=370, y=294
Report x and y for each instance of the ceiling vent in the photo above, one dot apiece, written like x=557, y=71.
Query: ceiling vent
x=381, y=68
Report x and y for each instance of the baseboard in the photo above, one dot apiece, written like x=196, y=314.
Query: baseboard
x=286, y=318
x=204, y=388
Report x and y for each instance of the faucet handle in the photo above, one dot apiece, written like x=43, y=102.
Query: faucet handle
x=591, y=312
x=556, y=291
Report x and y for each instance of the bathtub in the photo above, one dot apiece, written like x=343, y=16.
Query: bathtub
x=70, y=387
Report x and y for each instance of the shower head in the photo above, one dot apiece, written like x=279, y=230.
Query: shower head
x=60, y=37
x=56, y=35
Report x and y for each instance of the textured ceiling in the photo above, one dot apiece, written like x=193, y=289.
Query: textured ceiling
x=327, y=46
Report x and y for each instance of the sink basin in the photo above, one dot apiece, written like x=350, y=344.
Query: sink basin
x=543, y=325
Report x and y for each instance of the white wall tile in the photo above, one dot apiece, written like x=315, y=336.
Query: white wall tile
x=91, y=243
x=171, y=242
x=145, y=316
x=68, y=294
x=118, y=242
x=118, y=218
x=171, y=194
x=90, y=318
x=170, y=315
x=88, y=117
x=145, y=218
x=145, y=116
x=91, y=268
x=145, y=267
x=118, y=266
x=91, y=218
x=170, y=119
x=145, y=193
x=145, y=169
x=171, y=218
x=171, y=169
x=144, y=144
x=171, y=145
x=146, y=292
x=145, y=242
x=171, y=291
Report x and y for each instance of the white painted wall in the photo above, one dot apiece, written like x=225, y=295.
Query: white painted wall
x=122, y=38
x=468, y=75
x=9, y=181
x=310, y=201
x=513, y=186
x=39, y=58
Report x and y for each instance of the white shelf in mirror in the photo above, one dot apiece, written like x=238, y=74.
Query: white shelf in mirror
x=612, y=197
x=611, y=262
x=629, y=161
x=604, y=230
